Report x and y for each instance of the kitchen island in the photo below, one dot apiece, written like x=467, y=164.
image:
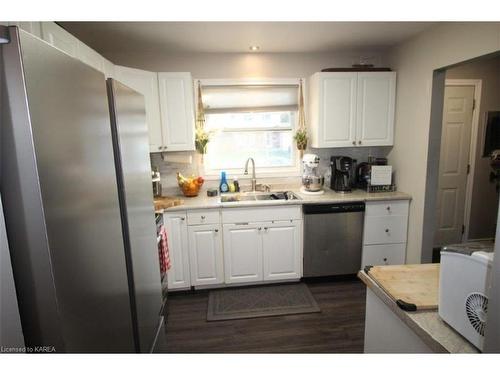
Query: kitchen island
x=390, y=329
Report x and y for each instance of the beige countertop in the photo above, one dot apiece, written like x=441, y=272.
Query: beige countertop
x=202, y=201
x=427, y=324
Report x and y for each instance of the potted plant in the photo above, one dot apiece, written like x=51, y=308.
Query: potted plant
x=300, y=136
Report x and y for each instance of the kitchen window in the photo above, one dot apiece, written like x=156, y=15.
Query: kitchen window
x=255, y=120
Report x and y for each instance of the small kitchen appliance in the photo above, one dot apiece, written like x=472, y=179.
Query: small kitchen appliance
x=464, y=285
x=343, y=173
x=155, y=177
x=374, y=175
x=312, y=180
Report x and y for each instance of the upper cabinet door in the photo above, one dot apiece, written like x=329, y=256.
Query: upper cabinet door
x=177, y=111
x=60, y=38
x=333, y=109
x=375, y=108
x=145, y=83
x=33, y=28
x=90, y=57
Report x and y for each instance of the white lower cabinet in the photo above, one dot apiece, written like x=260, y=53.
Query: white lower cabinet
x=178, y=276
x=205, y=254
x=380, y=255
x=385, y=233
x=243, y=253
x=281, y=249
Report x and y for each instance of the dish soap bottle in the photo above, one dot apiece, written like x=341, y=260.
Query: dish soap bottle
x=223, y=187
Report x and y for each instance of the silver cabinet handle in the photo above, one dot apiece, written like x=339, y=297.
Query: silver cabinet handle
x=165, y=147
x=388, y=208
x=386, y=230
x=182, y=218
x=202, y=217
x=385, y=260
x=216, y=230
x=159, y=147
x=354, y=143
x=359, y=142
x=266, y=228
x=259, y=229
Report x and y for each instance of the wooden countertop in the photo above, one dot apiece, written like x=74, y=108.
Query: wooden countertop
x=427, y=324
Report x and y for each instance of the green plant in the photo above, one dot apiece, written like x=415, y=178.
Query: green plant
x=201, y=140
x=300, y=138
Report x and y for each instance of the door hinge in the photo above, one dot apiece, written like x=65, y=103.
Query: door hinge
x=463, y=229
x=468, y=168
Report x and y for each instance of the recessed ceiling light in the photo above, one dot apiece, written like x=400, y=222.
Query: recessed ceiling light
x=254, y=48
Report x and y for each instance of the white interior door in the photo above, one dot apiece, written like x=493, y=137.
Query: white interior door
x=243, y=253
x=453, y=164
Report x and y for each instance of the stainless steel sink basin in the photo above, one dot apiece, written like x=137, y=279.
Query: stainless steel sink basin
x=258, y=196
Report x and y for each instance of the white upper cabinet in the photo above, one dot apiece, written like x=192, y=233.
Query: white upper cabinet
x=177, y=111
x=60, y=38
x=349, y=109
x=332, y=109
x=34, y=28
x=145, y=83
x=375, y=108
x=90, y=57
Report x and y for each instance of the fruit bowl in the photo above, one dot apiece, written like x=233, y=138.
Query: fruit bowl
x=190, y=186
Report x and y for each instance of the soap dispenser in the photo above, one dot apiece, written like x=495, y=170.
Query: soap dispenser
x=223, y=186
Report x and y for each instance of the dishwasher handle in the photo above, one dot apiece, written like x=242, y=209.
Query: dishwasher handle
x=333, y=208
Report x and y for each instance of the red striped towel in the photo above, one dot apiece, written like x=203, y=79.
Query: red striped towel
x=163, y=251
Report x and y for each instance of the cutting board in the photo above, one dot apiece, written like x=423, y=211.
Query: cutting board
x=166, y=202
x=413, y=286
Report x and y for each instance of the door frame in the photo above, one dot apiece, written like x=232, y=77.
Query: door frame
x=477, y=84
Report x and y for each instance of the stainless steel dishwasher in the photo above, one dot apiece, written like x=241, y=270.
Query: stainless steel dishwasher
x=332, y=238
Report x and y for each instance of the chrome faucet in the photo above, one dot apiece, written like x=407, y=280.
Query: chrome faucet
x=254, y=179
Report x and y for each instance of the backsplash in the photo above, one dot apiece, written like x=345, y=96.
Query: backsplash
x=168, y=169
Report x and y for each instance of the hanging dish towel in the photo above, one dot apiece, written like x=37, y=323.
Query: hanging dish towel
x=163, y=251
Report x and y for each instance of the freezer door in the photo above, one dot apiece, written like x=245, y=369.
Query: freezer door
x=61, y=201
x=133, y=168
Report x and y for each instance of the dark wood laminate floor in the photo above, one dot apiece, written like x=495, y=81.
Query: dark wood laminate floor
x=339, y=328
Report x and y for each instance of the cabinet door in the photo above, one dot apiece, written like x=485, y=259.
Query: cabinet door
x=90, y=57
x=281, y=244
x=242, y=253
x=177, y=111
x=379, y=255
x=145, y=83
x=178, y=275
x=205, y=254
x=60, y=38
x=375, y=108
x=337, y=109
x=109, y=68
x=34, y=28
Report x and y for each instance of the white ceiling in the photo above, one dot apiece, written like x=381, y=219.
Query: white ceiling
x=236, y=37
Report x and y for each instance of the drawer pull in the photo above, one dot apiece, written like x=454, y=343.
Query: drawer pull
x=202, y=217
x=388, y=208
x=387, y=230
x=216, y=230
x=385, y=260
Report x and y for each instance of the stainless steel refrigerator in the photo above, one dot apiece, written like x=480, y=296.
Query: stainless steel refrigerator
x=78, y=203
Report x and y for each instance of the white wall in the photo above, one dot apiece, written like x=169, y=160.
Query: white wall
x=484, y=205
x=415, y=61
x=244, y=65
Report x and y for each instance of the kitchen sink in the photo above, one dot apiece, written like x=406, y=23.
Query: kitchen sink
x=258, y=196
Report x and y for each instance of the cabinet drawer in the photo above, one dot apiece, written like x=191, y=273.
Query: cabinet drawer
x=385, y=229
x=378, y=255
x=197, y=217
x=387, y=208
x=257, y=214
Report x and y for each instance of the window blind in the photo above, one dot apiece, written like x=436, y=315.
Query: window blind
x=249, y=98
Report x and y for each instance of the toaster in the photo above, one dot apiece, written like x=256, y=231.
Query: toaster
x=464, y=285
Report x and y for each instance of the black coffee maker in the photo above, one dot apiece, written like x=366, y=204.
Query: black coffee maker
x=343, y=173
